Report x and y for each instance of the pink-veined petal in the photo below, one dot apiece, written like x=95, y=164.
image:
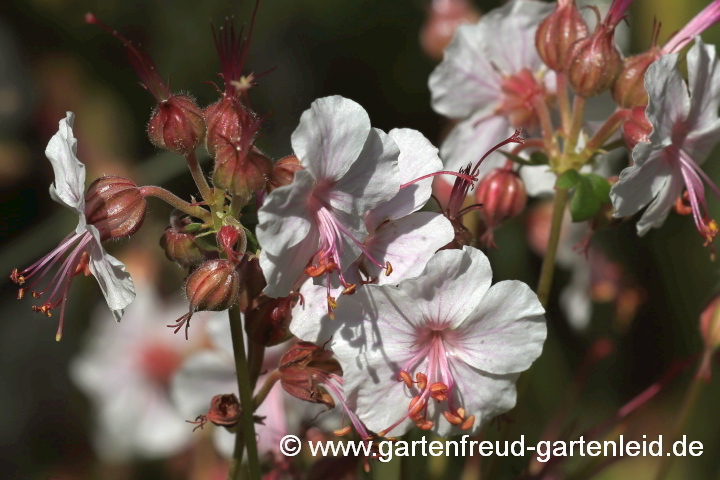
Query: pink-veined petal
x=69, y=185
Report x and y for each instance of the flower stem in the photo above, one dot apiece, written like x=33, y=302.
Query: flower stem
x=548, y=265
x=563, y=101
x=175, y=202
x=199, y=177
x=687, y=406
x=541, y=110
x=578, y=115
x=246, y=401
x=610, y=126
x=261, y=394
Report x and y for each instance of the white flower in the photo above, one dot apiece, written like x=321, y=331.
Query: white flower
x=443, y=344
x=83, y=247
x=398, y=234
x=685, y=128
x=489, y=77
x=125, y=370
x=315, y=224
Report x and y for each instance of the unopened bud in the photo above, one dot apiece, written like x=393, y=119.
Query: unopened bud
x=502, y=194
x=637, y=128
x=177, y=124
x=241, y=172
x=213, y=286
x=594, y=62
x=224, y=410
x=710, y=324
x=230, y=122
x=115, y=206
x=268, y=323
x=629, y=89
x=283, y=172
x=556, y=34
x=179, y=246
x=443, y=18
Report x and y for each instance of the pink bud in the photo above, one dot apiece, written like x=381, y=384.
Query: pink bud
x=177, y=124
x=241, y=172
x=502, y=194
x=637, y=128
x=179, y=246
x=629, y=89
x=556, y=34
x=443, y=18
x=594, y=62
x=213, y=286
x=115, y=206
x=283, y=172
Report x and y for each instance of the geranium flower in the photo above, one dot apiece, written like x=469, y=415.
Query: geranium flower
x=125, y=370
x=315, y=225
x=685, y=128
x=398, y=234
x=490, y=78
x=85, y=253
x=444, y=344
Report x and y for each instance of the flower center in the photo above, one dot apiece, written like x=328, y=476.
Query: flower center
x=159, y=362
x=436, y=381
x=519, y=90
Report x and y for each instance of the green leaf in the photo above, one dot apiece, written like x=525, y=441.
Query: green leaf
x=584, y=204
x=192, y=228
x=568, y=179
x=600, y=186
x=536, y=158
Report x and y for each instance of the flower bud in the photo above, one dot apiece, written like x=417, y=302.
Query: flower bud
x=177, y=124
x=241, y=173
x=710, y=324
x=181, y=248
x=230, y=122
x=115, y=206
x=268, y=323
x=502, y=194
x=556, y=34
x=629, y=89
x=283, y=172
x=637, y=128
x=224, y=410
x=443, y=17
x=213, y=286
x=594, y=62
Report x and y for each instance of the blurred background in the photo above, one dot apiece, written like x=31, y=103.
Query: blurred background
x=646, y=294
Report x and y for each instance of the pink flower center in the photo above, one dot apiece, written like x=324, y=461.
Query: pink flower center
x=159, y=362
x=519, y=92
x=75, y=262
x=435, y=381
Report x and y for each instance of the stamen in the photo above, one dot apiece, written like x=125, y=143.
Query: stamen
x=332, y=304
x=467, y=424
x=421, y=380
x=452, y=418
x=405, y=377
x=343, y=431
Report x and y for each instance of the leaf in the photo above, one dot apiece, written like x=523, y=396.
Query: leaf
x=536, y=158
x=584, y=204
x=600, y=186
x=192, y=227
x=568, y=179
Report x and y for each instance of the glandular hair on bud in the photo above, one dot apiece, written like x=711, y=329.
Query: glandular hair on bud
x=115, y=206
x=556, y=34
x=177, y=124
x=629, y=89
x=594, y=62
x=283, y=172
x=240, y=172
x=502, y=194
x=637, y=128
x=229, y=122
x=213, y=286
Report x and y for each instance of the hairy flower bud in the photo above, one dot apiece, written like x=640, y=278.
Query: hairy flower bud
x=239, y=172
x=594, y=62
x=556, y=34
x=710, y=324
x=180, y=247
x=443, y=17
x=177, y=124
x=115, y=206
x=283, y=172
x=637, y=128
x=629, y=89
x=213, y=286
x=268, y=323
x=502, y=194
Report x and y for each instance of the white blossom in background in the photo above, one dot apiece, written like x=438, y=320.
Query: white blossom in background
x=125, y=370
x=685, y=129
x=442, y=351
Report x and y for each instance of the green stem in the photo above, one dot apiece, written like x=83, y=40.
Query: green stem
x=261, y=394
x=687, y=407
x=199, y=177
x=543, y=114
x=563, y=101
x=548, y=265
x=578, y=116
x=246, y=402
x=175, y=202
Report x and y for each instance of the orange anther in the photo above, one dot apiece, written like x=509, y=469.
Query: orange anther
x=425, y=425
x=343, y=431
x=416, y=405
x=388, y=269
x=350, y=289
x=439, y=391
x=16, y=277
x=21, y=293
x=421, y=380
x=405, y=377
x=467, y=424
x=460, y=412
x=452, y=418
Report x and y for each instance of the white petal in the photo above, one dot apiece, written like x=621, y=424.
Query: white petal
x=418, y=157
x=373, y=179
x=69, y=185
x=575, y=298
x=330, y=137
x=669, y=102
x=283, y=270
x=202, y=376
x=704, y=83
x=539, y=180
x=638, y=185
x=506, y=331
x=469, y=140
x=310, y=321
x=502, y=43
x=654, y=216
x=407, y=243
x=114, y=280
